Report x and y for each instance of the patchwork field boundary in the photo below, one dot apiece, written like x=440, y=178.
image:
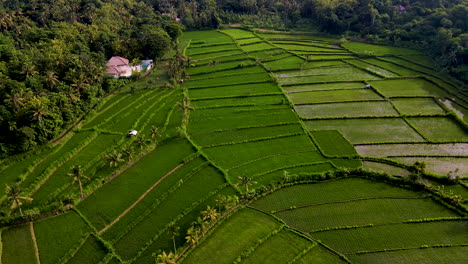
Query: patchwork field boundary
x=34, y=240
x=297, y=231
x=298, y=165
x=349, y=201
x=54, y=166
x=177, y=218
x=157, y=202
x=248, y=251
x=253, y=140
x=139, y=199
x=409, y=248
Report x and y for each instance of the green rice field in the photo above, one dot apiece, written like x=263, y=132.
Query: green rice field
x=277, y=147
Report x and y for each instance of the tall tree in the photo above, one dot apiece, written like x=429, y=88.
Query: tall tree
x=15, y=199
x=245, y=181
x=77, y=177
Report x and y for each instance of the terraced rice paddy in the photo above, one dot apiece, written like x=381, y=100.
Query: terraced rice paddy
x=269, y=106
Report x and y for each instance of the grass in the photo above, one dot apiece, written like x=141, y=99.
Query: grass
x=234, y=72
x=391, y=67
x=439, y=165
x=320, y=71
x=160, y=192
x=238, y=120
x=290, y=243
x=234, y=90
x=287, y=63
x=228, y=80
x=356, y=75
x=10, y=174
x=310, y=44
x=206, y=37
x=326, y=57
x=278, y=175
x=191, y=191
x=369, y=130
x=318, y=64
x=383, y=167
x=235, y=155
x=333, y=96
x=321, y=255
x=385, y=150
x=440, y=129
x=324, y=87
x=249, y=41
x=406, y=88
x=216, y=55
x=232, y=237
x=395, y=236
x=349, y=109
x=60, y=178
x=414, y=256
x=418, y=106
x=300, y=47
x=17, y=245
x=332, y=143
x=265, y=54
x=347, y=163
x=276, y=163
x=249, y=100
x=191, y=51
x=219, y=60
x=337, y=190
x=362, y=212
x=220, y=67
x=57, y=235
x=164, y=242
x=249, y=134
x=238, y=33
x=111, y=200
x=377, y=50
x=92, y=251
x=257, y=47
x=372, y=68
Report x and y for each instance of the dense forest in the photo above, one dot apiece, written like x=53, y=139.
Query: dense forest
x=53, y=55
x=53, y=52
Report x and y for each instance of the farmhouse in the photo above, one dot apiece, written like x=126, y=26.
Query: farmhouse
x=120, y=67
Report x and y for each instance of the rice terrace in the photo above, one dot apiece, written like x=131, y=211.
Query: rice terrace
x=275, y=147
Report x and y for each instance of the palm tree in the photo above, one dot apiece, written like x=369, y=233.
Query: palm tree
x=51, y=79
x=173, y=230
x=113, y=159
x=245, y=181
x=128, y=152
x=41, y=108
x=192, y=235
x=154, y=133
x=140, y=142
x=14, y=197
x=165, y=258
x=210, y=214
x=77, y=176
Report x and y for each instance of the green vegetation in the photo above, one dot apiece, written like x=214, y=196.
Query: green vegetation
x=332, y=143
x=333, y=96
x=243, y=228
x=372, y=130
x=223, y=164
x=17, y=245
x=348, y=109
x=52, y=242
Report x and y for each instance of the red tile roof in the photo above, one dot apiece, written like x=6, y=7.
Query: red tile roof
x=117, y=61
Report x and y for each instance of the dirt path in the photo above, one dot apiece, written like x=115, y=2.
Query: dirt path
x=139, y=199
x=33, y=237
